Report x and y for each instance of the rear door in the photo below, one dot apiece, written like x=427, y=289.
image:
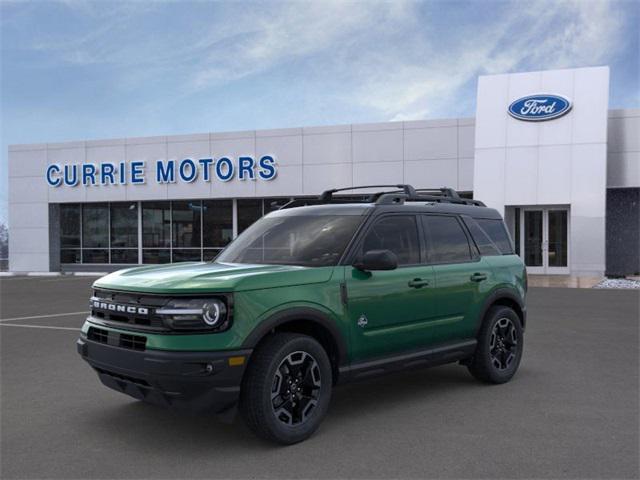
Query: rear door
x=461, y=276
x=389, y=310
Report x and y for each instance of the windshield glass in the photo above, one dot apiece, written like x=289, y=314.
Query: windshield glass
x=311, y=241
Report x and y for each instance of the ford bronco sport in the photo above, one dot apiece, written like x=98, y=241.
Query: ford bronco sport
x=310, y=296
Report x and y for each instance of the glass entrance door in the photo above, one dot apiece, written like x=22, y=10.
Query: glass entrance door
x=544, y=239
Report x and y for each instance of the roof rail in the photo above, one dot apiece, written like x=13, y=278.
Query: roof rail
x=404, y=193
x=327, y=195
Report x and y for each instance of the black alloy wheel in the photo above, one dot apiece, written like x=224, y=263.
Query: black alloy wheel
x=504, y=343
x=287, y=387
x=296, y=388
x=500, y=346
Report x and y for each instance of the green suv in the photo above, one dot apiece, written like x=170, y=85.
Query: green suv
x=311, y=296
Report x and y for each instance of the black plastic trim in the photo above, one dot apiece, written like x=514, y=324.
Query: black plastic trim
x=436, y=355
x=499, y=294
x=296, y=314
x=169, y=378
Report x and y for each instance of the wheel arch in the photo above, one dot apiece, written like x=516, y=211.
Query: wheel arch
x=507, y=298
x=306, y=321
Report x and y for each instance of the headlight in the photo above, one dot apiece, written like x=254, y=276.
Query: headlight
x=195, y=314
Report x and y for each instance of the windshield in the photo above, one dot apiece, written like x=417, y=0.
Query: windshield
x=311, y=241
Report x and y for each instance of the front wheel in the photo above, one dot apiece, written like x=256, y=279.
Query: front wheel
x=500, y=345
x=287, y=388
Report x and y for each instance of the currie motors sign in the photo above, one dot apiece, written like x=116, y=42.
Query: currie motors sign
x=187, y=170
x=540, y=107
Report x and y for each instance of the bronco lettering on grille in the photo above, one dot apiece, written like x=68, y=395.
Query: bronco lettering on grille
x=114, y=307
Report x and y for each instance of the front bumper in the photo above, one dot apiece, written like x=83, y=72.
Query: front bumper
x=198, y=381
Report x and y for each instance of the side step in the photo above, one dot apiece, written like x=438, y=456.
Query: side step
x=439, y=355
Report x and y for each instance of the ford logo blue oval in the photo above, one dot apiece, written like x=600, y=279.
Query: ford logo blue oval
x=536, y=108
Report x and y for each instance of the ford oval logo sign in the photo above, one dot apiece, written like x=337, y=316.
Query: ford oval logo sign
x=536, y=108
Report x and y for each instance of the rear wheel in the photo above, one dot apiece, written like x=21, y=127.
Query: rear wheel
x=500, y=344
x=287, y=388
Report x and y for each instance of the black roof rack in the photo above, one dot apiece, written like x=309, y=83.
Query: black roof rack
x=403, y=193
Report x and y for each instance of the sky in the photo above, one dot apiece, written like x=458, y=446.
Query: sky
x=76, y=70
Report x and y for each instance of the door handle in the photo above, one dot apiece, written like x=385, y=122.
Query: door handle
x=478, y=277
x=418, y=283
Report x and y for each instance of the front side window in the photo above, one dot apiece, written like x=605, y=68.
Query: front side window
x=446, y=240
x=397, y=233
x=313, y=240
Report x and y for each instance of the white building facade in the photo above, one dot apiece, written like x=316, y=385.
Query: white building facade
x=544, y=149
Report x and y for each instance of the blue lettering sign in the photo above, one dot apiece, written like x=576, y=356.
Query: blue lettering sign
x=51, y=180
x=188, y=174
x=221, y=165
x=245, y=168
x=267, y=168
x=71, y=175
x=166, y=171
x=165, y=174
x=106, y=173
x=137, y=173
x=206, y=168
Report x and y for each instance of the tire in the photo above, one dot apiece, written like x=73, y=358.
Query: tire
x=284, y=363
x=500, y=346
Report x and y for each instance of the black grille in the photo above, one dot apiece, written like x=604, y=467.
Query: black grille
x=133, y=342
x=98, y=335
x=110, y=305
x=122, y=340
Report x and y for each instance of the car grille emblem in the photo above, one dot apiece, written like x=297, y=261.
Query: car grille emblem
x=114, y=307
x=362, y=321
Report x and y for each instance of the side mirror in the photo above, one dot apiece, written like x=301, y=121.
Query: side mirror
x=377, y=260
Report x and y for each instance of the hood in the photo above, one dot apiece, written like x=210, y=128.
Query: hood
x=195, y=277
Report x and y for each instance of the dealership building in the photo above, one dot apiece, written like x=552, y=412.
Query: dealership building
x=544, y=149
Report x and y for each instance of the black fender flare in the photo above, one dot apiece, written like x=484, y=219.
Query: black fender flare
x=296, y=314
x=497, y=295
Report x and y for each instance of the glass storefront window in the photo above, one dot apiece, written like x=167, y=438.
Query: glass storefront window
x=209, y=254
x=70, y=233
x=95, y=225
x=217, y=223
x=156, y=224
x=172, y=231
x=156, y=255
x=186, y=255
x=69, y=226
x=124, y=255
x=249, y=210
x=91, y=255
x=70, y=255
x=186, y=224
x=124, y=225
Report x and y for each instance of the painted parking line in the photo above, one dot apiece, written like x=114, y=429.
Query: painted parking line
x=38, y=326
x=35, y=317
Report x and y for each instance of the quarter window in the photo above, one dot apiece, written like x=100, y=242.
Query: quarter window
x=496, y=231
x=397, y=233
x=446, y=240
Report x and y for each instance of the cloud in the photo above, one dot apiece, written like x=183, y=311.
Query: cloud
x=536, y=35
x=401, y=59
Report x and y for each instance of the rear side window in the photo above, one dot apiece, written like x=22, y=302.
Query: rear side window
x=480, y=237
x=446, y=240
x=398, y=233
x=495, y=230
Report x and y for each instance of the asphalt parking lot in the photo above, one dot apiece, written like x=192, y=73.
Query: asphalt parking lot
x=571, y=411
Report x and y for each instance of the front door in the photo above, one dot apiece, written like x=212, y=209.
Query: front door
x=544, y=239
x=390, y=311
